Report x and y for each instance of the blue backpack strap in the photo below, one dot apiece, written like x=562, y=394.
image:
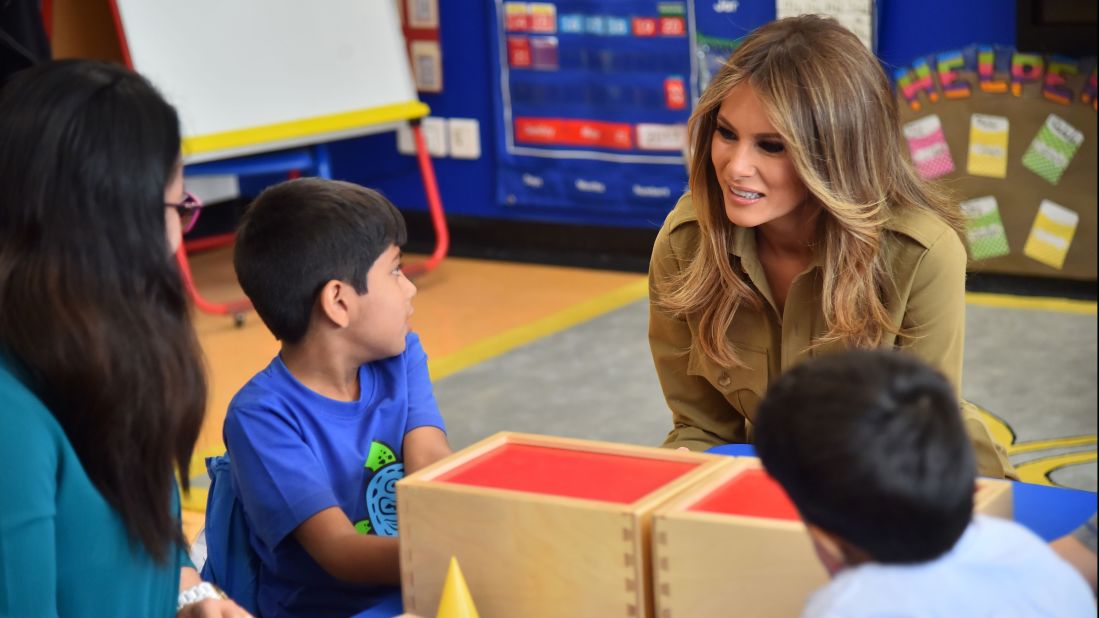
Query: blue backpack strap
x=231, y=563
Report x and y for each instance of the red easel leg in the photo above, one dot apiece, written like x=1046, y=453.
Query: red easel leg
x=435, y=206
x=237, y=309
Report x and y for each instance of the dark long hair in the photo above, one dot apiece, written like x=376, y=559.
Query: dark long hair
x=92, y=307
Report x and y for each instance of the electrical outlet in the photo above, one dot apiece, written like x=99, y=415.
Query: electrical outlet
x=465, y=138
x=405, y=143
x=434, y=130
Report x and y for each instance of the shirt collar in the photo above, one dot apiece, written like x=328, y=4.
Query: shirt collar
x=743, y=246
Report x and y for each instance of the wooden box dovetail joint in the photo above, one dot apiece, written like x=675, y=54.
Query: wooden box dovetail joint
x=541, y=526
x=735, y=544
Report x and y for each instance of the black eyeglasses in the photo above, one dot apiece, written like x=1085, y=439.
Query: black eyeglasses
x=188, y=209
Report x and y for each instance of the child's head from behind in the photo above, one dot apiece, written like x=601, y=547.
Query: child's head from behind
x=312, y=245
x=871, y=448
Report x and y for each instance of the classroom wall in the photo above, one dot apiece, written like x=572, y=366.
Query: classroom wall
x=909, y=29
x=906, y=30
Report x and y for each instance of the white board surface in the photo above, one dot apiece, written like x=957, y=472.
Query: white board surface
x=257, y=75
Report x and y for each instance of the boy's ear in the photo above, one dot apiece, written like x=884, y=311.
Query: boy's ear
x=333, y=302
x=829, y=549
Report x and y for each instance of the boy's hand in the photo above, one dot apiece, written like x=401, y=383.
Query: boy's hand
x=213, y=608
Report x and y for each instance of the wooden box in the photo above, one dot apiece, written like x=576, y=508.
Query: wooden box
x=994, y=497
x=541, y=526
x=735, y=545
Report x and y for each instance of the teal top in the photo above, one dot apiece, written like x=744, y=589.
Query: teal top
x=63, y=550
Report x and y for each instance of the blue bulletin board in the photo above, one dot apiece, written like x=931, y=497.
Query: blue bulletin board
x=720, y=26
x=593, y=98
x=585, y=87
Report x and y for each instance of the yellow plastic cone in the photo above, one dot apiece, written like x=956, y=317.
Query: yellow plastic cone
x=456, y=601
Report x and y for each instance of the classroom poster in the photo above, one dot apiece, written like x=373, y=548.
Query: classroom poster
x=1052, y=149
x=928, y=147
x=1022, y=127
x=858, y=16
x=988, y=145
x=420, y=26
x=983, y=228
x=1051, y=235
x=594, y=98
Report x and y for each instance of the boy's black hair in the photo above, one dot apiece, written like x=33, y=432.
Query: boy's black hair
x=870, y=446
x=300, y=234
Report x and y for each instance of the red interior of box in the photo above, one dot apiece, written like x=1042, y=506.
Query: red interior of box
x=570, y=473
x=750, y=493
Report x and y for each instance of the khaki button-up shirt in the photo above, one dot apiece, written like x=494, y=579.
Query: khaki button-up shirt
x=712, y=404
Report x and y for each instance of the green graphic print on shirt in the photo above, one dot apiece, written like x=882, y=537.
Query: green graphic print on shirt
x=381, y=494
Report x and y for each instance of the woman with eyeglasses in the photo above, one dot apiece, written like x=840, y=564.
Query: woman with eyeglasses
x=102, y=390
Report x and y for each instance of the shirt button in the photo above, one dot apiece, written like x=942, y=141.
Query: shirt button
x=723, y=380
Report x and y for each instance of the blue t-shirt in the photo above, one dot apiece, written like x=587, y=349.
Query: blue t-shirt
x=296, y=453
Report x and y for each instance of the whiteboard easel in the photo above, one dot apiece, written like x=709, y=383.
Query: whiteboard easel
x=261, y=75
x=255, y=76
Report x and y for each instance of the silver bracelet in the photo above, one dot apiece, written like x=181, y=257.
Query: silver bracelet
x=198, y=592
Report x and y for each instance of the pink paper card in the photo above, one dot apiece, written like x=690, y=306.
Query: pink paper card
x=928, y=146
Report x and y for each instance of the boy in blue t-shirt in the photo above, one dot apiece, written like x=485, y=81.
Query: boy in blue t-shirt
x=319, y=437
x=871, y=448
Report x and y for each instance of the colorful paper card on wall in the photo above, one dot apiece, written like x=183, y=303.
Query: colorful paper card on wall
x=983, y=228
x=928, y=146
x=516, y=17
x=1051, y=235
x=423, y=13
x=427, y=65
x=987, y=146
x=1052, y=149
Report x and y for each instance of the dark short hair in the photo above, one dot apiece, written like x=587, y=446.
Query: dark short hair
x=870, y=446
x=300, y=234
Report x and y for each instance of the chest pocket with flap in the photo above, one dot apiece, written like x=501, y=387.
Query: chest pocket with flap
x=742, y=387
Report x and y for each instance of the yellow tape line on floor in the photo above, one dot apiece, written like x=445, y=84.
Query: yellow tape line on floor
x=1033, y=303
x=1051, y=443
x=1037, y=471
x=521, y=335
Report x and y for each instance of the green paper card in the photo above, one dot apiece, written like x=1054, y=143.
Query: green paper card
x=983, y=228
x=1052, y=149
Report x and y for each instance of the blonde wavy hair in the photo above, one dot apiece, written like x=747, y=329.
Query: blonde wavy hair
x=829, y=99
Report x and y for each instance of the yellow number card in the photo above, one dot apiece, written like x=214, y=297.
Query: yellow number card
x=1051, y=235
x=988, y=146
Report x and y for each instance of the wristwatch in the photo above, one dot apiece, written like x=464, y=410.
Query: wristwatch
x=199, y=592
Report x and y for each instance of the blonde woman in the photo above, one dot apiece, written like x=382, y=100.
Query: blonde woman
x=806, y=231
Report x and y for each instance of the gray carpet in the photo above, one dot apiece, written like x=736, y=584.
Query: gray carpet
x=1034, y=369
